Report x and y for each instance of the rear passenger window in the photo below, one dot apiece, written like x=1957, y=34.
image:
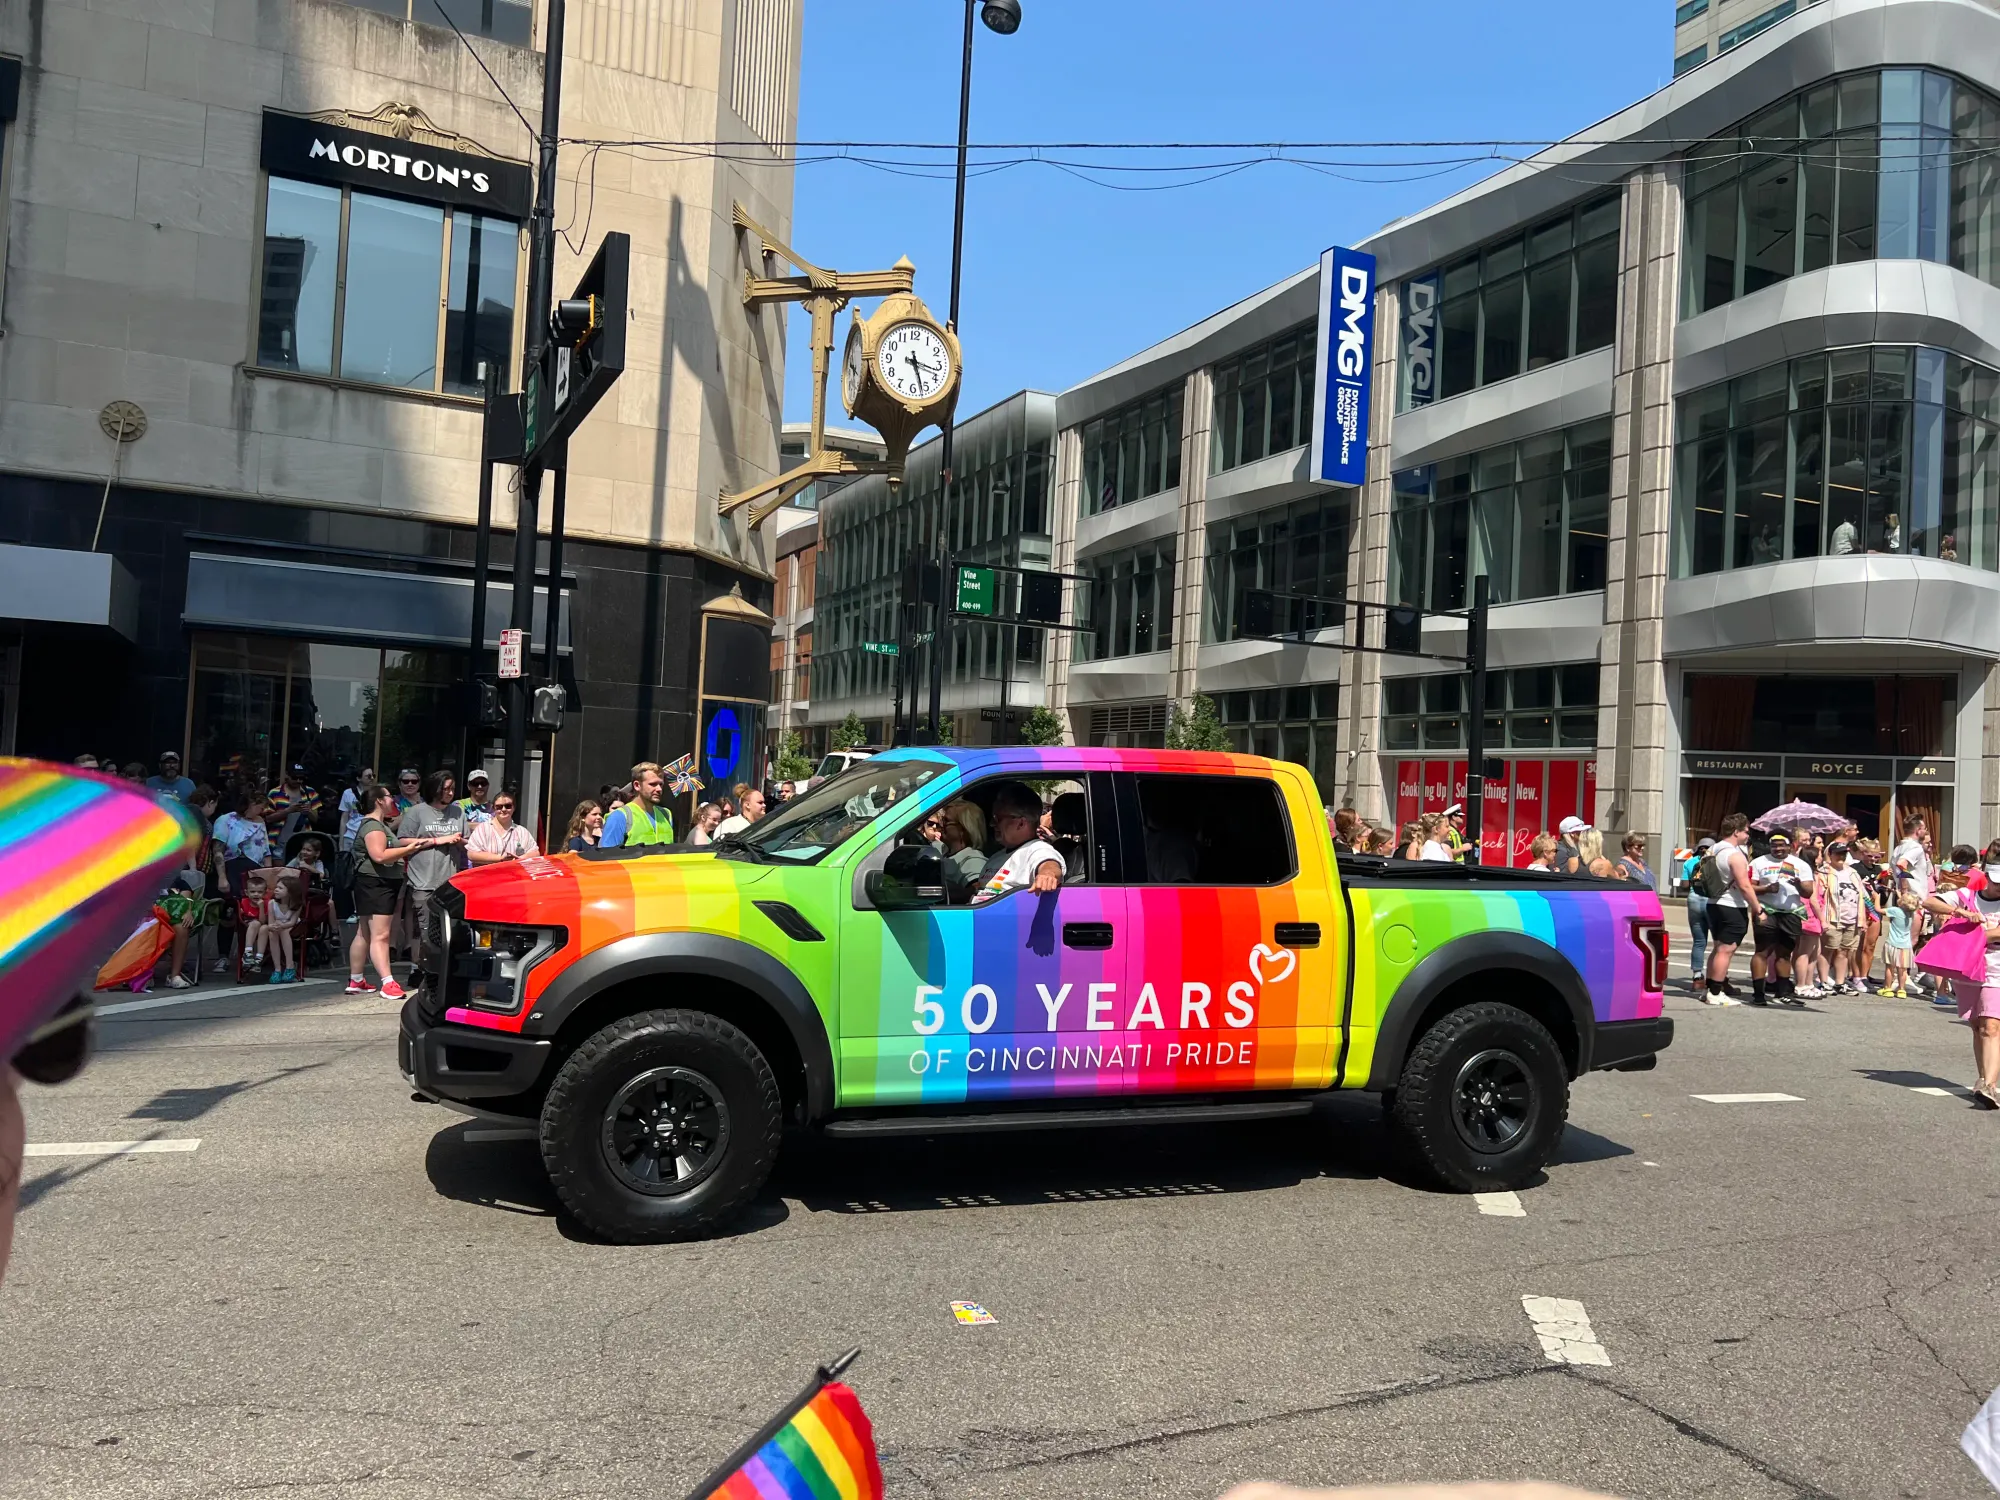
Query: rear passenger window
x=1213, y=830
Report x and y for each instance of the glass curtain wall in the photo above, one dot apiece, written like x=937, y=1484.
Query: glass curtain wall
x=1534, y=516
x=1896, y=165
x=1528, y=708
x=262, y=703
x=1129, y=602
x=1264, y=400
x=1298, y=549
x=1298, y=724
x=1518, y=305
x=1873, y=449
x=1133, y=452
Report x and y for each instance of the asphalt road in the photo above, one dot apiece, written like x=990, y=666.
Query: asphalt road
x=340, y=1292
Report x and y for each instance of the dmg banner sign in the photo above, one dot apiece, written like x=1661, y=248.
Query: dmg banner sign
x=1344, y=368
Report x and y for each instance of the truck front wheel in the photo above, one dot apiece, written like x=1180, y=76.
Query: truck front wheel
x=661, y=1126
x=1483, y=1098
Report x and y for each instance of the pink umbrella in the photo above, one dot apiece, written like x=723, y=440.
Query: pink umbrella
x=1810, y=816
x=82, y=857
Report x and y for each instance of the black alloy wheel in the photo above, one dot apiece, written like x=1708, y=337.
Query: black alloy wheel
x=665, y=1130
x=1492, y=1100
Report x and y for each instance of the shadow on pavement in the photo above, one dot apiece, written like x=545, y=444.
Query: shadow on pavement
x=1903, y=1078
x=178, y=1106
x=1579, y=1145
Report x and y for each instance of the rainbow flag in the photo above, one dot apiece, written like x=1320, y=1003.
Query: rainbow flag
x=821, y=1447
x=81, y=858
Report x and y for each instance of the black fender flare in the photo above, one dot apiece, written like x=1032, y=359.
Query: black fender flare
x=648, y=954
x=1468, y=957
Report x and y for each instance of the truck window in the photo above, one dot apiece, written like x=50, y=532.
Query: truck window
x=1213, y=830
x=807, y=827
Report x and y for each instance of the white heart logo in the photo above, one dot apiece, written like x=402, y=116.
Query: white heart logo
x=1260, y=953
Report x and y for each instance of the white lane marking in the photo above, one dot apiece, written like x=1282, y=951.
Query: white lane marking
x=1938, y=1093
x=502, y=1135
x=1500, y=1205
x=1748, y=1098
x=197, y=995
x=1564, y=1329
x=109, y=1148
x=1649, y=1164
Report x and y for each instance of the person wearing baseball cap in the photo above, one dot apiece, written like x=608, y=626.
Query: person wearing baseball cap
x=1454, y=831
x=1568, y=861
x=170, y=783
x=477, y=801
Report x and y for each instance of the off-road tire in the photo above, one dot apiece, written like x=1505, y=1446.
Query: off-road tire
x=1426, y=1104
x=574, y=1115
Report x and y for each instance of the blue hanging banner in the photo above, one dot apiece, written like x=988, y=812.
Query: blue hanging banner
x=1345, y=367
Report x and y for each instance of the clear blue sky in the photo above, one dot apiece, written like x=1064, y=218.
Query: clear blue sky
x=1063, y=278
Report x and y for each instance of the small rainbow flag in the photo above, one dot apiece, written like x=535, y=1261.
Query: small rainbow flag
x=821, y=1447
x=81, y=858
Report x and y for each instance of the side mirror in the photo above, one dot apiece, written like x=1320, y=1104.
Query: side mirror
x=912, y=878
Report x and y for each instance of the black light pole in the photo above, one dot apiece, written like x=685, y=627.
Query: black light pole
x=541, y=267
x=1002, y=17
x=1475, y=759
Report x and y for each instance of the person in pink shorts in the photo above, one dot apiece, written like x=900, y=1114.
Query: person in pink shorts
x=1960, y=894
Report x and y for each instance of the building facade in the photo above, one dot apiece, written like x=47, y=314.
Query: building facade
x=999, y=512
x=262, y=261
x=1717, y=423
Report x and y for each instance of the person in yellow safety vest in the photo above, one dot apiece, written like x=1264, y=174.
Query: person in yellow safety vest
x=642, y=820
x=1454, y=831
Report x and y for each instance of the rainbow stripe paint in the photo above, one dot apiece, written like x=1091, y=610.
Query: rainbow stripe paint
x=826, y=1452
x=1194, y=995
x=81, y=857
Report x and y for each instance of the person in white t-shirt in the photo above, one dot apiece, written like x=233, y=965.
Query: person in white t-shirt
x=1731, y=911
x=1783, y=882
x=1911, y=861
x=1024, y=861
x=751, y=802
x=1435, y=847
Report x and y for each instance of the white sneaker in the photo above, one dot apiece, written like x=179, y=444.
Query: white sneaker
x=1719, y=1000
x=179, y=982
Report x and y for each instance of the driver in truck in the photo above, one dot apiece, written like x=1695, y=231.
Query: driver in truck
x=1024, y=860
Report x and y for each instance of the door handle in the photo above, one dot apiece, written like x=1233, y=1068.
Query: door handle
x=1086, y=934
x=1296, y=934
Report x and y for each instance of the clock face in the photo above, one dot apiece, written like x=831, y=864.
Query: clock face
x=913, y=361
x=852, y=367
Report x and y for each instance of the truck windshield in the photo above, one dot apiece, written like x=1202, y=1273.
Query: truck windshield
x=831, y=812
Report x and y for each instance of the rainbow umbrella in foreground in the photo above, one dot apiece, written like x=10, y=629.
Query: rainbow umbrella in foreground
x=821, y=1447
x=82, y=857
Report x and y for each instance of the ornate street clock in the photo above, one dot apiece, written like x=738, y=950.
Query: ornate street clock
x=901, y=373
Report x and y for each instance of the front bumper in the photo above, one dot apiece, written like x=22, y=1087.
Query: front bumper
x=1630, y=1046
x=449, y=1061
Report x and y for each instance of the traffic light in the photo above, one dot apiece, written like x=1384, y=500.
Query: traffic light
x=482, y=703
x=546, y=712
x=1403, y=630
x=575, y=319
x=1041, y=597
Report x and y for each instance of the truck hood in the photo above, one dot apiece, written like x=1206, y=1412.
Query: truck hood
x=597, y=900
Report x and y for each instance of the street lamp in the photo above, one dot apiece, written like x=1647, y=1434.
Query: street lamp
x=1003, y=18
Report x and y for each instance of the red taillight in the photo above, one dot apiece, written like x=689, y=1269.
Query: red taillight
x=1651, y=936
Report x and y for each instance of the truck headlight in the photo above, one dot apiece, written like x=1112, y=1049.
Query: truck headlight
x=496, y=960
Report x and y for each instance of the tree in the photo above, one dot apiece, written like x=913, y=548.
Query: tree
x=850, y=733
x=1041, y=727
x=792, y=764
x=1200, y=729
x=947, y=730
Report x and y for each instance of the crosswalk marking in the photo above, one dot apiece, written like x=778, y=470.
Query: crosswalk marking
x=197, y=995
x=1937, y=1093
x=1748, y=1098
x=1564, y=1330
x=1500, y=1205
x=110, y=1148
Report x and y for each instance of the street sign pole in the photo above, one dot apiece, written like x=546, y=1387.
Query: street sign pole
x=1475, y=739
x=482, y=563
x=940, y=622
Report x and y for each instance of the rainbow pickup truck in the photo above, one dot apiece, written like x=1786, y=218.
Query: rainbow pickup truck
x=665, y=1014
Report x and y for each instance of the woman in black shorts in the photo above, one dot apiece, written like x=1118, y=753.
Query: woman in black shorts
x=378, y=881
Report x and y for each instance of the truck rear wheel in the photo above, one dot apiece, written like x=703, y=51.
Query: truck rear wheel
x=1483, y=1098
x=662, y=1126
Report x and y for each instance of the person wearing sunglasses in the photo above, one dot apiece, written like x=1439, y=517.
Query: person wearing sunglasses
x=409, y=789
x=500, y=838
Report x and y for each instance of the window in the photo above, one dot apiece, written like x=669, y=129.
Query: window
x=1688, y=11
x=1528, y=708
x=1213, y=830
x=1693, y=58
x=385, y=291
x=1133, y=452
x=10, y=93
x=1298, y=550
x=1896, y=165
x=1737, y=35
x=1882, y=449
x=1519, y=305
x=1534, y=516
x=1129, y=602
x=510, y=21
x=1263, y=401
x=1299, y=724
